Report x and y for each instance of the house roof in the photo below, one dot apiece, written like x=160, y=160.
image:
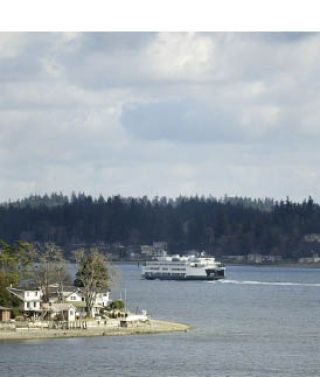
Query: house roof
x=24, y=289
x=28, y=287
x=66, y=288
x=19, y=292
x=68, y=294
x=70, y=288
x=58, y=307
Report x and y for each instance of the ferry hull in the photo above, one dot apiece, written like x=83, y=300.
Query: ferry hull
x=168, y=277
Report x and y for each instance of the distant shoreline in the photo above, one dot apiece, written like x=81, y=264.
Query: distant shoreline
x=278, y=264
x=151, y=327
x=302, y=265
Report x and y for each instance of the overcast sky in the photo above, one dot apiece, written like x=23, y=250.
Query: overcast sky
x=160, y=114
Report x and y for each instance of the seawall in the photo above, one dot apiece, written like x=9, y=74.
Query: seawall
x=141, y=328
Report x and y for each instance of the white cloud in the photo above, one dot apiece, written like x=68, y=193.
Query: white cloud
x=160, y=114
x=181, y=56
x=11, y=44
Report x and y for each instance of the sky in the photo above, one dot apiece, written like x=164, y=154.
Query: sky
x=160, y=114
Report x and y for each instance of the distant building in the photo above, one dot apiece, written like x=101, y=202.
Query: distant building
x=263, y=259
x=158, y=248
x=312, y=237
x=254, y=258
x=314, y=259
x=234, y=258
x=146, y=250
x=305, y=260
x=117, y=245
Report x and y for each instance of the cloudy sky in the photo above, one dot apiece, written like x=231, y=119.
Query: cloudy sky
x=160, y=114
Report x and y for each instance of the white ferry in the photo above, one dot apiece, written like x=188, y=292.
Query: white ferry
x=178, y=267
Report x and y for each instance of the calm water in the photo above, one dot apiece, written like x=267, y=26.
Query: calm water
x=260, y=321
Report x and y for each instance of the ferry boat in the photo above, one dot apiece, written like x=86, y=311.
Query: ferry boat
x=178, y=267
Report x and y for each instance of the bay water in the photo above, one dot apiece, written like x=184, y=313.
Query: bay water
x=259, y=321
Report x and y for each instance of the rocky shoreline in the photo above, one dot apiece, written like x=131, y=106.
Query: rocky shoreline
x=150, y=327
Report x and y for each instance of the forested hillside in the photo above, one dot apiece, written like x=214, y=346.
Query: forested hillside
x=224, y=227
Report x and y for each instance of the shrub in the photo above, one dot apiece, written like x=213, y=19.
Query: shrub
x=116, y=305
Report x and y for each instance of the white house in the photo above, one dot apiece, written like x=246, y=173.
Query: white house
x=103, y=298
x=30, y=297
x=75, y=296
x=32, y=305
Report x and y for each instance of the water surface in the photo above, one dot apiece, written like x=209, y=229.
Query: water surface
x=260, y=321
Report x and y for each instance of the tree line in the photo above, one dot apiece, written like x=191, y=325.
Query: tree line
x=225, y=226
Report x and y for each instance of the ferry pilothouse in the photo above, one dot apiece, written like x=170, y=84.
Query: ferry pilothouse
x=178, y=267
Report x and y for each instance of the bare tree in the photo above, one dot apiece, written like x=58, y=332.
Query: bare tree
x=51, y=269
x=114, y=275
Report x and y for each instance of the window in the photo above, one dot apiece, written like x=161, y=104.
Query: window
x=73, y=298
x=28, y=304
x=36, y=293
x=35, y=304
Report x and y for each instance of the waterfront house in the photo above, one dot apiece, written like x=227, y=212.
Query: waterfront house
x=30, y=299
x=32, y=305
x=67, y=312
x=75, y=296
